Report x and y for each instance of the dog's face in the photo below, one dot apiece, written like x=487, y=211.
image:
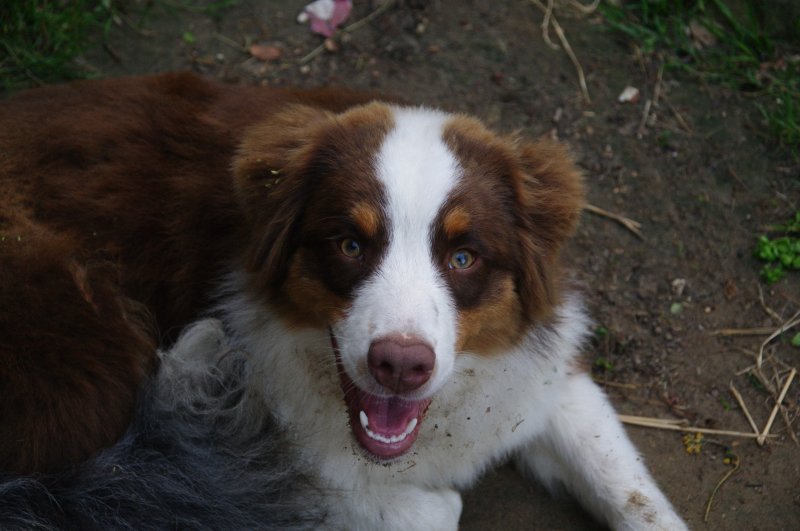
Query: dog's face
x=411, y=236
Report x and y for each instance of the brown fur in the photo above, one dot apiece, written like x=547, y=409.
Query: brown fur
x=366, y=218
x=456, y=222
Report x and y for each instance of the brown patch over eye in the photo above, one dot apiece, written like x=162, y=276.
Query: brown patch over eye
x=319, y=306
x=366, y=219
x=456, y=222
x=493, y=326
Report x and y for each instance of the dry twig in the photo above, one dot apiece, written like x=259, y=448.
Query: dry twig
x=367, y=19
x=788, y=422
x=790, y=323
x=567, y=48
x=760, y=331
x=546, y=26
x=618, y=385
x=746, y=411
x=763, y=436
x=679, y=425
x=723, y=480
x=772, y=313
x=631, y=225
x=645, y=116
x=586, y=9
x=657, y=88
x=650, y=104
x=678, y=116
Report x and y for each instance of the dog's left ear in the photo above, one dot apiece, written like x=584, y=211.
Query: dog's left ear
x=550, y=199
x=273, y=172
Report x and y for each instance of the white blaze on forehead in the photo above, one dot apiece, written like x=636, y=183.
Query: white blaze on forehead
x=416, y=167
x=407, y=296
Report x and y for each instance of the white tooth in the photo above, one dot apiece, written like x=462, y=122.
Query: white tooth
x=387, y=440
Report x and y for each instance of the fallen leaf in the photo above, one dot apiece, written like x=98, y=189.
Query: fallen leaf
x=264, y=52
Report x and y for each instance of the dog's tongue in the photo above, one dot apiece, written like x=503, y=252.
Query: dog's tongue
x=388, y=415
x=384, y=426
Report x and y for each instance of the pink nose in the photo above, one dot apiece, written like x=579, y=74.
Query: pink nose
x=401, y=364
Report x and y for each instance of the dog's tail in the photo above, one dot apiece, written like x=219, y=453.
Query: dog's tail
x=195, y=457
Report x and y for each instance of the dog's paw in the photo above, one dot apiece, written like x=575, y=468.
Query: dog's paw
x=400, y=508
x=442, y=510
x=642, y=512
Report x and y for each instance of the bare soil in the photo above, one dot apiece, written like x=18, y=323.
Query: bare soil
x=699, y=175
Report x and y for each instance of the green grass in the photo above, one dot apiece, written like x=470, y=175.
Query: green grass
x=746, y=52
x=40, y=39
x=214, y=9
x=781, y=252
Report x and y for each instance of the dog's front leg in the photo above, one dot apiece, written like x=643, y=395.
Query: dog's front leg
x=585, y=449
x=397, y=508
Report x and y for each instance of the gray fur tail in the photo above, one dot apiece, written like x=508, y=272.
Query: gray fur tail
x=197, y=456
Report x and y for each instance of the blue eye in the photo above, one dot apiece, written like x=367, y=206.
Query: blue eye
x=350, y=248
x=461, y=259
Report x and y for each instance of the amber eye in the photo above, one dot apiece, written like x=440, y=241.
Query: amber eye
x=461, y=259
x=350, y=248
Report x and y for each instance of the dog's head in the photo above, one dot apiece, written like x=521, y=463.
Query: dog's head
x=409, y=234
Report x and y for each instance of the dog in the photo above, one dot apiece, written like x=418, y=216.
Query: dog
x=391, y=273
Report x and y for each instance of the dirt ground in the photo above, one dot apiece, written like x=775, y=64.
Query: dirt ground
x=698, y=175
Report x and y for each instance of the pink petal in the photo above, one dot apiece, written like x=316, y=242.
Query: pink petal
x=321, y=26
x=340, y=12
x=327, y=15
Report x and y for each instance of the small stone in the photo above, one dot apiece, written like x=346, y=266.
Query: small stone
x=629, y=95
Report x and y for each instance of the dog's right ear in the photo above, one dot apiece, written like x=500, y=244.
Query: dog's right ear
x=273, y=176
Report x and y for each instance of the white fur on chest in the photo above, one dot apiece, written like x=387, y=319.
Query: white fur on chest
x=490, y=406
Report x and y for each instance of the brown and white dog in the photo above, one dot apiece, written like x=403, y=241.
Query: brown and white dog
x=390, y=271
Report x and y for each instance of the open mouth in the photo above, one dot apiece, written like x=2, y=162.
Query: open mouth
x=385, y=426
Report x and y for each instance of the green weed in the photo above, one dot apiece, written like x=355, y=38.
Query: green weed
x=40, y=39
x=736, y=48
x=755, y=383
x=603, y=364
x=781, y=253
x=795, y=341
x=214, y=9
